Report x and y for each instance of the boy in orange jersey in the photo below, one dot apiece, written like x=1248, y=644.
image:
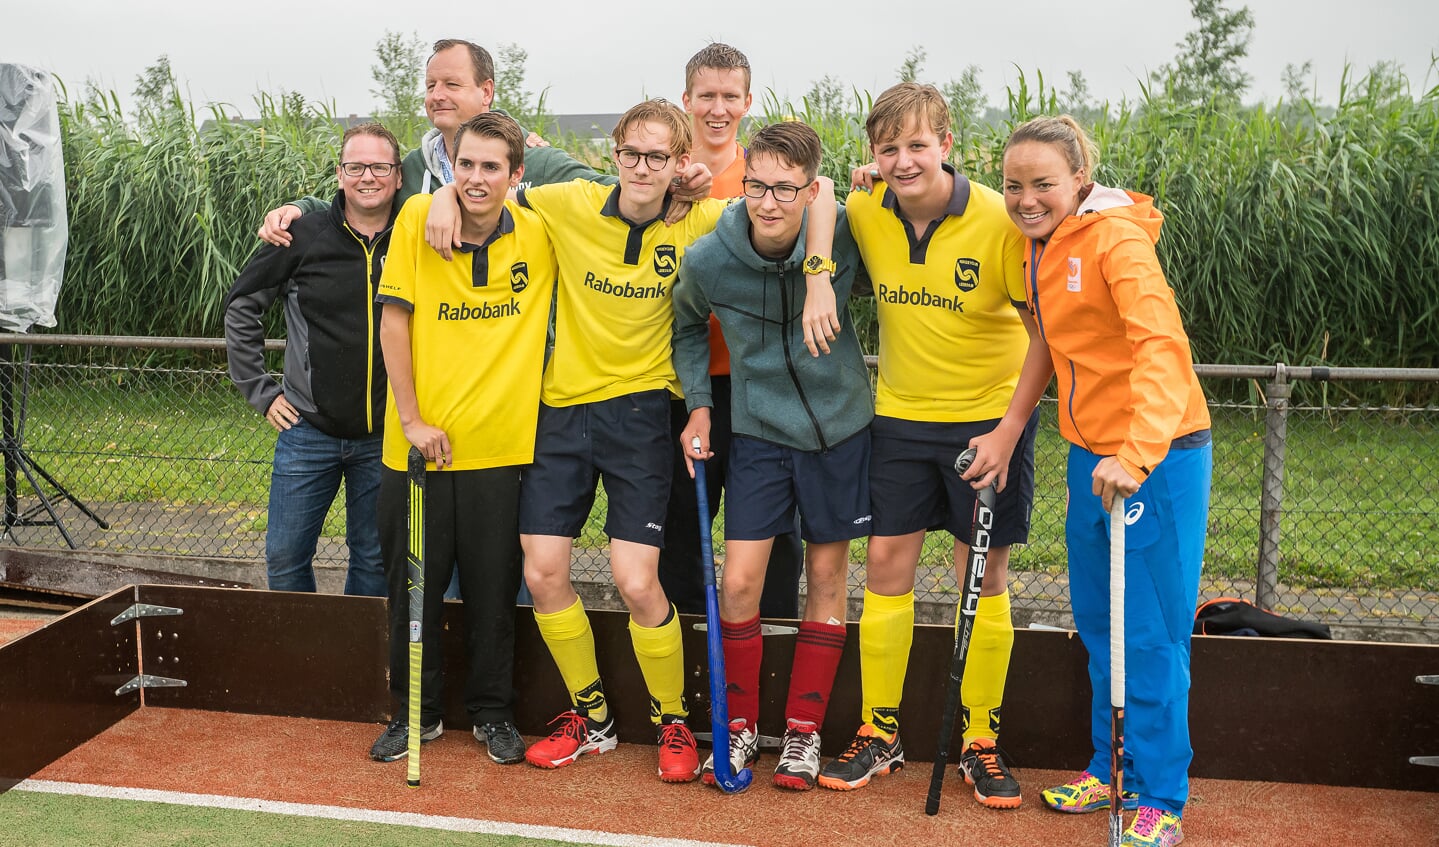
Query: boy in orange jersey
x=717, y=98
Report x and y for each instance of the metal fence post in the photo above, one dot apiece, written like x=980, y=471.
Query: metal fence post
x=1271, y=494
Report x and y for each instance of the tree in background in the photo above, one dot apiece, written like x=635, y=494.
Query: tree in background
x=824, y=102
x=155, y=87
x=159, y=109
x=1207, y=67
x=913, y=64
x=398, y=68
x=967, y=106
x=513, y=98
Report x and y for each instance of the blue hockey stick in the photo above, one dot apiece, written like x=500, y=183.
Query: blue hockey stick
x=729, y=782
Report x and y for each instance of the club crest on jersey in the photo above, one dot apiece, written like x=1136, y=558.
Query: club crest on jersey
x=1073, y=282
x=966, y=274
x=519, y=276
x=665, y=262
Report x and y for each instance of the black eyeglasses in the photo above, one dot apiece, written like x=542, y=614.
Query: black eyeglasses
x=379, y=169
x=631, y=158
x=783, y=193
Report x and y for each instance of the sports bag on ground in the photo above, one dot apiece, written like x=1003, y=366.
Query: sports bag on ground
x=1233, y=616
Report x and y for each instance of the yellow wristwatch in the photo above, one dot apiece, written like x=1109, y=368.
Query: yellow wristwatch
x=816, y=264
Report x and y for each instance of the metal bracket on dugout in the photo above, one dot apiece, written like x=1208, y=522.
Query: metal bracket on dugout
x=1429, y=761
x=145, y=680
x=1260, y=709
x=145, y=610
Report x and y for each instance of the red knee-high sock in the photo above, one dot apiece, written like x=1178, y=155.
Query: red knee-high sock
x=743, y=651
x=816, y=656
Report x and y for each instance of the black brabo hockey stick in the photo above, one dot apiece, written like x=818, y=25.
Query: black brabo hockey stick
x=729, y=782
x=1116, y=670
x=963, y=626
x=415, y=572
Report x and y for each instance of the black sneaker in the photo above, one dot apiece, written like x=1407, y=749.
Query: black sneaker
x=394, y=742
x=503, y=740
x=868, y=754
x=983, y=767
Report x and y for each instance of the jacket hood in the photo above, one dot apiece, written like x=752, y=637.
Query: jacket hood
x=1106, y=202
x=427, y=150
x=733, y=230
x=427, y=146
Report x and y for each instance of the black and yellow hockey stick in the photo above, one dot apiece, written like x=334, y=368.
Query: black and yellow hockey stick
x=415, y=570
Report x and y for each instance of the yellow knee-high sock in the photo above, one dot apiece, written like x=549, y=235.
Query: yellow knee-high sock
x=986, y=667
x=572, y=644
x=660, y=652
x=886, y=631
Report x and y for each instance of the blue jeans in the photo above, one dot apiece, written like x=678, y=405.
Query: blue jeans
x=303, y=482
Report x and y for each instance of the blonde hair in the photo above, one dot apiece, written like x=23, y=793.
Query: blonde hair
x=666, y=114
x=716, y=56
x=901, y=103
x=1063, y=132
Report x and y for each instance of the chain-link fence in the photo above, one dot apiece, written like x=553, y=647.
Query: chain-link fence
x=1319, y=509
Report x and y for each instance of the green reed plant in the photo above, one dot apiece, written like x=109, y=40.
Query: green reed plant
x=163, y=216
x=1294, y=232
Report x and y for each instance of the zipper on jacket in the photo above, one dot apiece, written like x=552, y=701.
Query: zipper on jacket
x=1036, y=254
x=789, y=361
x=369, y=249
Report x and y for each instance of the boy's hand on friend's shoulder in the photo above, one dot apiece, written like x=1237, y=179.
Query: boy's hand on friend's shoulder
x=442, y=224
x=689, y=186
x=275, y=229
x=864, y=177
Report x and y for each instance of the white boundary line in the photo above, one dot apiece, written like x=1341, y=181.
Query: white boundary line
x=343, y=813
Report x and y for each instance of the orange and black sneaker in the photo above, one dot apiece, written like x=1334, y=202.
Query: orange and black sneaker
x=868, y=754
x=679, y=757
x=983, y=767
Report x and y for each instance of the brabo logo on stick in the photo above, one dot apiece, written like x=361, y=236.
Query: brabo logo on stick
x=979, y=551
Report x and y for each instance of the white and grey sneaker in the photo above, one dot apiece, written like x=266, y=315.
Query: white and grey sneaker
x=798, y=757
x=743, y=750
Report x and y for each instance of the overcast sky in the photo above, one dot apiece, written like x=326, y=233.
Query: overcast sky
x=605, y=56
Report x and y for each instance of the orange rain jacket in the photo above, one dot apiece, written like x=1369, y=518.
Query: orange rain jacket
x=1127, y=386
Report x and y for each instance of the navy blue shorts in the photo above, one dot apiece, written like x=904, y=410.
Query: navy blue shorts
x=913, y=485
x=767, y=481
x=624, y=441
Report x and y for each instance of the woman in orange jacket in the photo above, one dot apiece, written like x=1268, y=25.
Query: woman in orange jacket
x=1135, y=416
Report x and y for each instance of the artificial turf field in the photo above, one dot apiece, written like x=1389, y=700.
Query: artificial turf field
x=175, y=776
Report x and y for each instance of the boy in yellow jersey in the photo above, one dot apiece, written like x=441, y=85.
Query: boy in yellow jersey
x=458, y=336
x=717, y=97
x=604, y=414
x=957, y=368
